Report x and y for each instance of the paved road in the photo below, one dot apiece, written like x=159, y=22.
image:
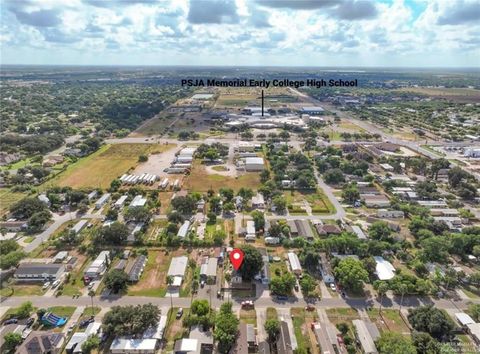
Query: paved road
x=262, y=302
x=59, y=220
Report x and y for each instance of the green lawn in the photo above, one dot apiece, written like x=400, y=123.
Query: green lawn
x=8, y=198
x=22, y=290
x=272, y=313
x=63, y=311
x=300, y=329
x=390, y=320
x=75, y=285
x=248, y=316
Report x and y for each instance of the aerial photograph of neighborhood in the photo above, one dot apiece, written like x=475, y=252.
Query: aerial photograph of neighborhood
x=240, y=176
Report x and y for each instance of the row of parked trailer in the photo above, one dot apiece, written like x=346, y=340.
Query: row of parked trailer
x=165, y=183
x=145, y=178
x=182, y=162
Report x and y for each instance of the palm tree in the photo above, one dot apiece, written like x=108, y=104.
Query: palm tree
x=382, y=291
x=91, y=293
x=170, y=282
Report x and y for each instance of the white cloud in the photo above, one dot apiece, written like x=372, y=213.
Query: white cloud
x=242, y=32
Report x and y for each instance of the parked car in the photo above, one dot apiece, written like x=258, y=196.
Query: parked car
x=247, y=304
x=70, y=329
x=202, y=283
x=282, y=297
x=310, y=307
x=55, y=283
x=11, y=321
x=86, y=322
x=46, y=285
x=179, y=313
x=30, y=321
x=333, y=287
x=91, y=285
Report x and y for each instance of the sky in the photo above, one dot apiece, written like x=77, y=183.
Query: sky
x=389, y=33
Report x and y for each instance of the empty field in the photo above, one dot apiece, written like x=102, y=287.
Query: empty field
x=7, y=198
x=388, y=320
x=153, y=280
x=201, y=181
x=100, y=168
x=454, y=94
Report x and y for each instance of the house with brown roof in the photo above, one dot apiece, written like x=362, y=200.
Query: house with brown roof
x=328, y=229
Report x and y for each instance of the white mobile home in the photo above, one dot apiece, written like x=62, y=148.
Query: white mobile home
x=294, y=263
x=102, y=201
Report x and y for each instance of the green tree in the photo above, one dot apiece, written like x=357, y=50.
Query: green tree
x=283, y=285
x=424, y=343
x=258, y=219
x=92, y=342
x=394, y=343
x=26, y=207
x=11, y=341
x=350, y=193
x=334, y=176
x=116, y=280
x=226, y=327
x=280, y=204
x=115, y=234
x=380, y=230
x=25, y=309
x=272, y=327
x=130, y=320
x=351, y=274
x=252, y=262
x=431, y=320
x=307, y=284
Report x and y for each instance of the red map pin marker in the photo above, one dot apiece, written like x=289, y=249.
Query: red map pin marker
x=236, y=257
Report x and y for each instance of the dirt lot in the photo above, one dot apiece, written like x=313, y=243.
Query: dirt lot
x=158, y=162
x=200, y=180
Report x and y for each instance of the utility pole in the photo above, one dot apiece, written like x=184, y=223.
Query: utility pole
x=262, y=103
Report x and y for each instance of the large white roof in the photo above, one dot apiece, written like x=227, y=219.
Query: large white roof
x=130, y=344
x=178, y=266
x=384, y=269
x=254, y=161
x=294, y=261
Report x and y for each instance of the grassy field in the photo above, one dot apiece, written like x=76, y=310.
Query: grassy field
x=8, y=198
x=272, y=313
x=445, y=92
x=389, y=320
x=339, y=315
x=22, y=290
x=318, y=201
x=100, y=168
x=201, y=181
x=174, y=329
x=300, y=319
x=153, y=279
x=248, y=316
x=75, y=284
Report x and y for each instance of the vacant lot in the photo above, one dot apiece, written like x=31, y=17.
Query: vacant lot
x=454, y=94
x=153, y=281
x=200, y=181
x=100, y=168
x=317, y=200
x=248, y=316
x=7, y=198
x=339, y=315
x=388, y=320
x=301, y=321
